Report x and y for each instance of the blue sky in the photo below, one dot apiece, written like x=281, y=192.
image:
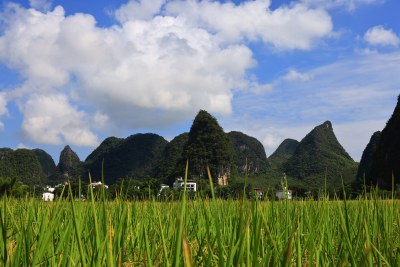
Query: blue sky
x=74, y=72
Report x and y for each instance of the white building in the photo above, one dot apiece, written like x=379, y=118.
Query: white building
x=47, y=196
x=284, y=194
x=190, y=185
x=163, y=186
x=259, y=193
x=98, y=184
x=50, y=189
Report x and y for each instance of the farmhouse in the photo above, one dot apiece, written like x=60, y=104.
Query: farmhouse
x=163, y=186
x=190, y=185
x=223, y=180
x=258, y=192
x=284, y=194
x=47, y=196
x=50, y=189
x=98, y=184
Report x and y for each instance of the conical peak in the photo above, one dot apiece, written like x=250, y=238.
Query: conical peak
x=289, y=142
x=68, y=153
x=327, y=125
x=66, y=148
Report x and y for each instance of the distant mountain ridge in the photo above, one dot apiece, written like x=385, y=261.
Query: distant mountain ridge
x=318, y=156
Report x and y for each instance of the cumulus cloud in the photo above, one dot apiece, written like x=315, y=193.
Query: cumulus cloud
x=52, y=120
x=159, y=65
x=139, y=9
x=379, y=36
x=42, y=5
x=286, y=27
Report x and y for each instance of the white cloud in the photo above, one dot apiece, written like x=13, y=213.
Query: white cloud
x=3, y=108
x=22, y=145
x=42, y=5
x=357, y=94
x=378, y=35
x=294, y=75
x=349, y=5
x=139, y=9
x=286, y=27
x=52, y=120
x=148, y=71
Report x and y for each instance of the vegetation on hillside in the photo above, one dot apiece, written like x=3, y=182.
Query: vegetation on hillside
x=247, y=149
x=170, y=166
x=386, y=161
x=69, y=165
x=283, y=153
x=21, y=164
x=364, y=168
x=46, y=161
x=208, y=145
x=136, y=156
x=319, y=157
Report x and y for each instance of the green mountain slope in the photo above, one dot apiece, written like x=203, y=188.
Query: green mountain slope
x=248, y=148
x=208, y=144
x=106, y=146
x=320, y=155
x=136, y=157
x=69, y=165
x=21, y=164
x=283, y=153
x=387, y=156
x=171, y=165
x=364, y=168
x=46, y=161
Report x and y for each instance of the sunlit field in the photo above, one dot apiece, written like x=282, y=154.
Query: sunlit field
x=200, y=232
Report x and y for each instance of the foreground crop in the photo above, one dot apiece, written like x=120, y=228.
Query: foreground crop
x=199, y=232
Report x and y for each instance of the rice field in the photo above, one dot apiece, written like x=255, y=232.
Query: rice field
x=199, y=232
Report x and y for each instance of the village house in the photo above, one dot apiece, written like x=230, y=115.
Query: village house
x=259, y=193
x=47, y=196
x=98, y=184
x=284, y=194
x=163, y=186
x=190, y=185
x=223, y=180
